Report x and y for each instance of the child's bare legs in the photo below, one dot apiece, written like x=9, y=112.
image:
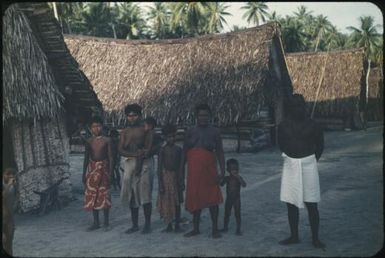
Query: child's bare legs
x=228, y=206
x=177, y=218
x=237, y=211
x=293, y=215
x=95, y=225
x=214, y=219
x=106, y=219
x=196, y=217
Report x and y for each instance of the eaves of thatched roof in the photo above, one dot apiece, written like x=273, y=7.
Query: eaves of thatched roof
x=168, y=77
x=340, y=73
x=40, y=77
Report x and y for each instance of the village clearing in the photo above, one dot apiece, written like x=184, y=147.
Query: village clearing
x=351, y=212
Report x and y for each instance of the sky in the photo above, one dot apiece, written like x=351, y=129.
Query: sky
x=341, y=14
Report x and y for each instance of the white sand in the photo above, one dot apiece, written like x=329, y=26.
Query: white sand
x=351, y=212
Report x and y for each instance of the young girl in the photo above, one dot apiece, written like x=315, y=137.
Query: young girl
x=170, y=181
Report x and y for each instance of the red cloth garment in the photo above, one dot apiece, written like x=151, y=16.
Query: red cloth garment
x=97, y=195
x=202, y=190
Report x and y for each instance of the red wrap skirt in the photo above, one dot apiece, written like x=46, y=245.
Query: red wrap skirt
x=202, y=189
x=97, y=195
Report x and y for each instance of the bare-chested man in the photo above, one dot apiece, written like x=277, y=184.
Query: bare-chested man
x=134, y=146
x=97, y=169
x=202, y=149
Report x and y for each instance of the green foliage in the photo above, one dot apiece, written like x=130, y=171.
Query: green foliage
x=165, y=20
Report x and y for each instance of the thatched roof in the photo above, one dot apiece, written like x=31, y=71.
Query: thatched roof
x=168, y=77
x=38, y=70
x=376, y=80
x=341, y=87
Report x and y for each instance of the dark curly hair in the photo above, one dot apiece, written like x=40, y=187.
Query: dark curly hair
x=202, y=106
x=133, y=108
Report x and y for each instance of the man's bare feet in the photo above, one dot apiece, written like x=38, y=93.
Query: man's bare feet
x=289, y=241
x=216, y=234
x=93, y=227
x=192, y=233
x=318, y=244
x=132, y=230
x=146, y=229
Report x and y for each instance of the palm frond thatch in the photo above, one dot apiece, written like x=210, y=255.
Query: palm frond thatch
x=29, y=86
x=168, y=77
x=341, y=89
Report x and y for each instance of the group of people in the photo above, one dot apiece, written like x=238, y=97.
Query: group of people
x=299, y=138
x=138, y=143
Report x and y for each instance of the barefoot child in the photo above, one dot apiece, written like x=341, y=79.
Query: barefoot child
x=97, y=169
x=233, y=198
x=9, y=195
x=170, y=181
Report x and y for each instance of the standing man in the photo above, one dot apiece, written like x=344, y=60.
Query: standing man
x=202, y=149
x=135, y=146
x=97, y=169
x=301, y=141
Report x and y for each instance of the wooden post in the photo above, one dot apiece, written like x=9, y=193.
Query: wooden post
x=320, y=83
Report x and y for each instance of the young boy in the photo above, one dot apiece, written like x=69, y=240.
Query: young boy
x=233, y=189
x=9, y=195
x=169, y=197
x=97, y=169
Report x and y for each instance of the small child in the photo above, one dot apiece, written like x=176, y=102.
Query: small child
x=9, y=194
x=233, y=194
x=170, y=182
x=149, y=126
x=114, y=135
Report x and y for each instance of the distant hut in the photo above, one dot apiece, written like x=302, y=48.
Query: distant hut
x=241, y=75
x=42, y=89
x=375, y=105
x=340, y=77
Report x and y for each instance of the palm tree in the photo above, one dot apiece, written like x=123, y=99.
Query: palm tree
x=293, y=35
x=274, y=17
x=255, y=11
x=159, y=15
x=302, y=14
x=69, y=15
x=320, y=26
x=335, y=39
x=366, y=35
x=188, y=17
x=95, y=20
x=215, y=16
x=238, y=28
x=130, y=23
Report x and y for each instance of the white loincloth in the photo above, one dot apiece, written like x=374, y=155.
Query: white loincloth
x=300, y=180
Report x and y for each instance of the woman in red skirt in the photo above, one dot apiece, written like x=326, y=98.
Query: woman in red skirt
x=202, y=148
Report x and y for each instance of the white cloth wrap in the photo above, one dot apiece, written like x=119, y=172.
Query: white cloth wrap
x=300, y=180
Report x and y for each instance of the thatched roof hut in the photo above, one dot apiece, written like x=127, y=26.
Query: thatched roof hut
x=42, y=88
x=238, y=74
x=340, y=76
x=375, y=105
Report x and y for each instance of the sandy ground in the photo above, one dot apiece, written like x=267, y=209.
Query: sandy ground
x=351, y=212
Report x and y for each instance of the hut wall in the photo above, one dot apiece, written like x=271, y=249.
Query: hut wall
x=375, y=105
x=41, y=151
